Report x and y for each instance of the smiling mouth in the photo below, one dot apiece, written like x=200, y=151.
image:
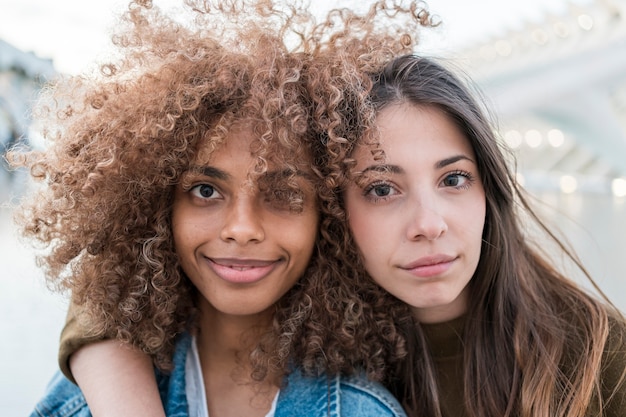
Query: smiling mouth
x=242, y=271
x=240, y=268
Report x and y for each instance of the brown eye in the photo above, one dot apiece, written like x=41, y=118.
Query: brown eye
x=204, y=191
x=285, y=198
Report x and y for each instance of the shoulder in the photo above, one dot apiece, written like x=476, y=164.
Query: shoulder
x=62, y=398
x=363, y=397
x=335, y=396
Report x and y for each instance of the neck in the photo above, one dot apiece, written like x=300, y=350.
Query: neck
x=224, y=345
x=227, y=340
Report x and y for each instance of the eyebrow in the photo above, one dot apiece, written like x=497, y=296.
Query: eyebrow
x=449, y=161
x=212, y=172
x=395, y=169
x=217, y=173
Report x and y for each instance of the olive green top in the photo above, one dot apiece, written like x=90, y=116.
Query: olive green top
x=446, y=343
x=73, y=336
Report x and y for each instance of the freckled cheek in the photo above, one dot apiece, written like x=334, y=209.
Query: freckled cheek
x=189, y=231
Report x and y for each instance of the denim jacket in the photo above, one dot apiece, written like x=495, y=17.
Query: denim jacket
x=300, y=396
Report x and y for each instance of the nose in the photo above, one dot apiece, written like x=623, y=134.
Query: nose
x=244, y=222
x=426, y=221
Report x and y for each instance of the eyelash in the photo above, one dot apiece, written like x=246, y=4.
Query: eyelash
x=281, y=199
x=469, y=177
x=367, y=191
x=195, y=192
x=466, y=174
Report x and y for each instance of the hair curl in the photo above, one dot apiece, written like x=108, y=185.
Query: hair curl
x=120, y=140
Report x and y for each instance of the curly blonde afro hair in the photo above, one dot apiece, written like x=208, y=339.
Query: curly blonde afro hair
x=121, y=139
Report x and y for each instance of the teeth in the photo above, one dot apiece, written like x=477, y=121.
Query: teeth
x=241, y=268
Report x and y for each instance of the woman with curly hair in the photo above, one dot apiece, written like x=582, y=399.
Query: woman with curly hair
x=184, y=208
x=492, y=328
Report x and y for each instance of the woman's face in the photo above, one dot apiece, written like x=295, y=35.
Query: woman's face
x=418, y=215
x=243, y=248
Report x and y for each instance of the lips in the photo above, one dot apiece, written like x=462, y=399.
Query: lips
x=429, y=266
x=242, y=271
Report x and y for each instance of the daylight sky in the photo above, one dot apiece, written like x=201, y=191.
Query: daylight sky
x=76, y=32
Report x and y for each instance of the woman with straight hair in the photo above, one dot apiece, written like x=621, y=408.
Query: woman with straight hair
x=438, y=228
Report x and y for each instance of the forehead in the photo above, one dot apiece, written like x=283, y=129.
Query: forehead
x=411, y=131
x=242, y=143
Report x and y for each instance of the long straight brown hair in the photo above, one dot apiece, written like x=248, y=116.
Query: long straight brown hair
x=533, y=340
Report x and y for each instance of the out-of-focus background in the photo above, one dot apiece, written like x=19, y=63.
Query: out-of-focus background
x=553, y=71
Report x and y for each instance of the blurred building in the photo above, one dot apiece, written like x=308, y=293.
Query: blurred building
x=558, y=88
x=22, y=74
